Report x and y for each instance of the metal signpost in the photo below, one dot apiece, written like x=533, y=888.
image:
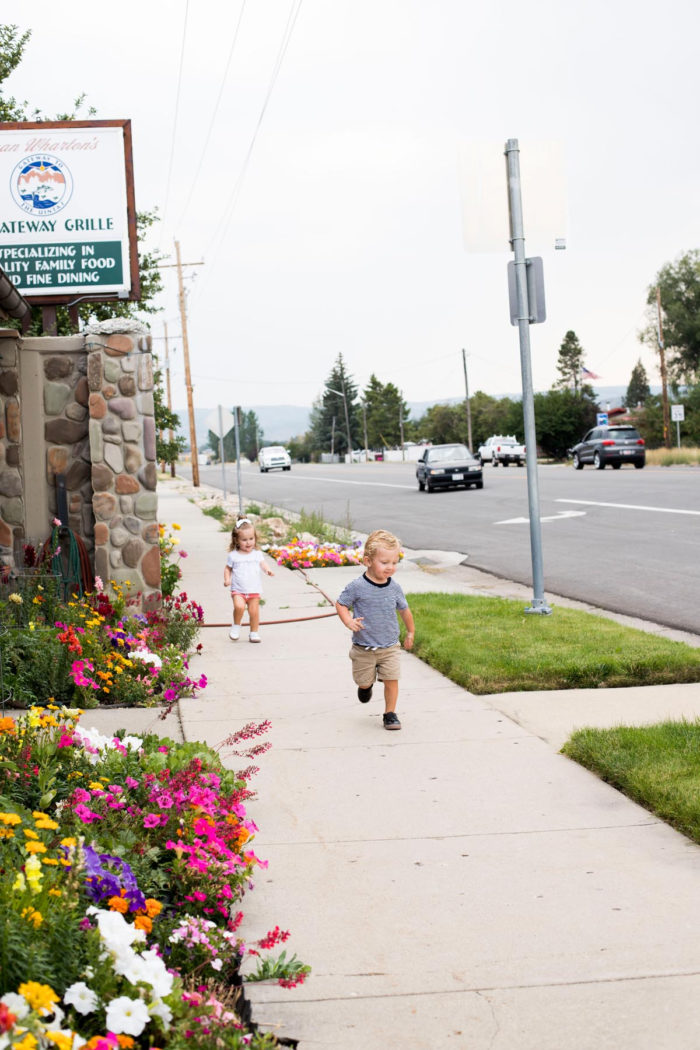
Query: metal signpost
x=678, y=416
x=526, y=317
x=237, y=421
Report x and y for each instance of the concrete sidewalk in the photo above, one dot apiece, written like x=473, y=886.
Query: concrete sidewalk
x=456, y=884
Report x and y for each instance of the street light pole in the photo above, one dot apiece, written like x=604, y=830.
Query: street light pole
x=469, y=406
x=347, y=417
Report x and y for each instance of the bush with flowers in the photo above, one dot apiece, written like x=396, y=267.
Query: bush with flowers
x=123, y=864
x=298, y=554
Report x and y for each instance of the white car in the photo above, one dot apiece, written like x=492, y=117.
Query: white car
x=274, y=457
x=485, y=452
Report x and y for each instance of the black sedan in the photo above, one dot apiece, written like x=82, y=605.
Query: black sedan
x=613, y=445
x=448, y=466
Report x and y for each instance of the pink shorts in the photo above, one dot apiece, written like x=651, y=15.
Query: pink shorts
x=246, y=597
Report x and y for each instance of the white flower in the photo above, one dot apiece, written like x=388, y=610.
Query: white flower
x=132, y=741
x=216, y=964
x=146, y=658
x=81, y=997
x=127, y=1016
x=157, y=1008
x=16, y=1004
x=115, y=932
x=92, y=737
x=148, y=968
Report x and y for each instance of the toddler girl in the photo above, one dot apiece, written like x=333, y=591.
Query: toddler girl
x=242, y=575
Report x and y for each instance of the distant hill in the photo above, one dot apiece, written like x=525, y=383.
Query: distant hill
x=279, y=423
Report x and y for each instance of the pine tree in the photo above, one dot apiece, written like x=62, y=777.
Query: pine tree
x=638, y=390
x=570, y=362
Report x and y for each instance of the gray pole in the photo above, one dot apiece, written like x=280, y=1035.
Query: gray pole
x=364, y=429
x=237, y=429
x=332, y=437
x=221, y=451
x=347, y=419
x=517, y=236
x=403, y=446
x=469, y=404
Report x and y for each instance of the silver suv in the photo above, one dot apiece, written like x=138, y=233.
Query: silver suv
x=613, y=445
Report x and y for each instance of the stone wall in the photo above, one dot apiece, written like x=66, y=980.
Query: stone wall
x=123, y=457
x=82, y=407
x=11, y=487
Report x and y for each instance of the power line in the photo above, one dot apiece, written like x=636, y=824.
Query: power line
x=175, y=117
x=235, y=193
x=214, y=114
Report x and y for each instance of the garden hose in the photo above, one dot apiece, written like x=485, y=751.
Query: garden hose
x=291, y=619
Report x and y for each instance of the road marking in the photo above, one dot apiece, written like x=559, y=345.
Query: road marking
x=342, y=481
x=553, y=517
x=630, y=506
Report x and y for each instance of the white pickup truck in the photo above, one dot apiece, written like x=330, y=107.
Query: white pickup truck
x=502, y=449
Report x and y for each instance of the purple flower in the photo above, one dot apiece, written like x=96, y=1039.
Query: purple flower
x=107, y=876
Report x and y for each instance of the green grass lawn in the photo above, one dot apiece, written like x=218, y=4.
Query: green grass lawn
x=657, y=766
x=490, y=645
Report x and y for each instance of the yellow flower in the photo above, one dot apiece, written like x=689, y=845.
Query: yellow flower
x=70, y=842
x=35, y=847
x=33, y=916
x=50, y=860
x=46, y=824
x=40, y=997
x=15, y=598
x=30, y=834
x=6, y=833
x=27, y=1043
x=10, y=818
x=20, y=884
x=60, y=1039
x=55, y=893
x=95, y=785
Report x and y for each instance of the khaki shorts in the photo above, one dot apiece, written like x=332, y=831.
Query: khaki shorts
x=383, y=664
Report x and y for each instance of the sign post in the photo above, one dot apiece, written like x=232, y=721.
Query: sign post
x=678, y=416
x=524, y=319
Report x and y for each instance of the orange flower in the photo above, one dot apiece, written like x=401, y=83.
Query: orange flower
x=7, y=725
x=142, y=922
x=125, y=1041
x=153, y=907
x=118, y=904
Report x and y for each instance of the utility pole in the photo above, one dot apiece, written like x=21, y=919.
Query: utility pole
x=332, y=438
x=662, y=369
x=168, y=393
x=469, y=406
x=188, y=377
x=364, y=428
x=403, y=449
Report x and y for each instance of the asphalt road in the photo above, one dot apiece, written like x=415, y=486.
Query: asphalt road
x=625, y=540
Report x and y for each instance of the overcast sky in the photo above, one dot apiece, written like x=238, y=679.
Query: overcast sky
x=342, y=232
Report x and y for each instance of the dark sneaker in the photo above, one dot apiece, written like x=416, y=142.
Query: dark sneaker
x=391, y=721
x=363, y=695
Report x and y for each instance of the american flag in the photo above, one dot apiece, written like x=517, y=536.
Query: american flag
x=587, y=374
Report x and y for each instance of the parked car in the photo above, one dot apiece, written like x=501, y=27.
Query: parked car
x=485, y=451
x=507, y=451
x=274, y=457
x=447, y=466
x=613, y=445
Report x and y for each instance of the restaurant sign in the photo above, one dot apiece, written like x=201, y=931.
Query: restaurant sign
x=67, y=215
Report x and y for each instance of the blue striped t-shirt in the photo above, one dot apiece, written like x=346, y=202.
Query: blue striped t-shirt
x=377, y=604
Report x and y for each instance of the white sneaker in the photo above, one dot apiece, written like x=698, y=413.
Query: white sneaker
x=254, y=637
x=235, y=632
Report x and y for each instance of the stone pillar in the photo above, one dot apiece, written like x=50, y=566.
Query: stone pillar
x=122, y=439
x=11, y=483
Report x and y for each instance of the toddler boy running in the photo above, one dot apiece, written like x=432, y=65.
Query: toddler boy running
x=368, y=607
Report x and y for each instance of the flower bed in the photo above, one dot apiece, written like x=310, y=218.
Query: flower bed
x=299, y=555
x=99, y=648
x=123, y=863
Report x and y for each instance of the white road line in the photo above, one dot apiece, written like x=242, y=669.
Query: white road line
x=630, y=506
x=342, y=481
x=553, y=517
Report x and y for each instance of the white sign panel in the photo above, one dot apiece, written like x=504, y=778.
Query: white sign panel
x=67, y=222
x=678, y=413
x=483, y=186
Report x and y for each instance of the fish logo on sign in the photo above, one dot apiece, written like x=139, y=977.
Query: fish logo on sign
x=41, y=184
